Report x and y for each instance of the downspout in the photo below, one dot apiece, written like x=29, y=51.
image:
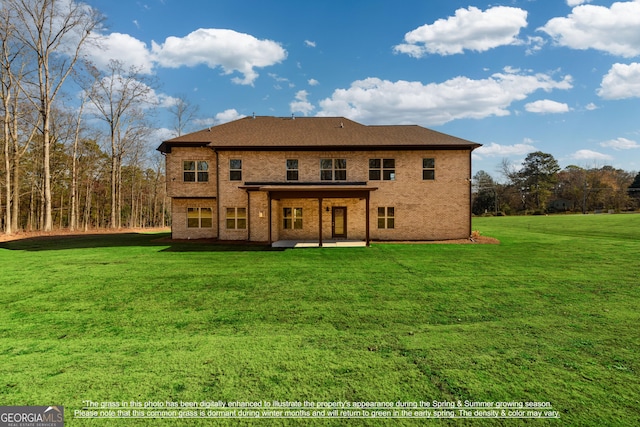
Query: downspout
x=269, y=217
x=248, y=216
x=367, y=219
x=320, y=221
x=217, y=194
x=470, y=196
x=166, y=193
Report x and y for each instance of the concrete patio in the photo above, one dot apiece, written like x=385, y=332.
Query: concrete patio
x=315, y=244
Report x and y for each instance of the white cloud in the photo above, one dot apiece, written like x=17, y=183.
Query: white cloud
x=163, y=100
x=381, y=101
x=228, y=116
x=309, y=43
x=469, y=29
x=591, y=106
x=620, y=144
x=534, y=44
x=313, y=82
x=615, y=30
x=577, y=2
x=130, y=51
x=590, y=155
x=301, y=104
x=162, y=134
x=227, y=49
x=546, y=106
x=220, y=118
x=277, y=78
x=497, y=150
x=622, y=81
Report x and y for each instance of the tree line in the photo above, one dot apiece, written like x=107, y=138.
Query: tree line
x=75, y=138
x=540, y=186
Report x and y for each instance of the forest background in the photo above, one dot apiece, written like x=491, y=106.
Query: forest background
x=88, y=161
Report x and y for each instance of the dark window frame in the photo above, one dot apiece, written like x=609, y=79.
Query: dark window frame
x=428, y=169
x=382, y=169
x=292, y=172
x=198, y=171
x=235, y=169
x=336, y=172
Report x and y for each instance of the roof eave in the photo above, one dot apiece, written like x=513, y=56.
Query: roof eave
x=471, y=147
x=166, y=146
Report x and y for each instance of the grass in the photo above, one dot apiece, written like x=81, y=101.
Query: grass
x=550, y=314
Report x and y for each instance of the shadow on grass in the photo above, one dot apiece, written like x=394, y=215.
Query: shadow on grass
x=104, y=240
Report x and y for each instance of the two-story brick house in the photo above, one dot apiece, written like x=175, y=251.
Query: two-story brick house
x=266, y=179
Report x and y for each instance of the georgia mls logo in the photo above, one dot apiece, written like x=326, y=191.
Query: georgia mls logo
x=31, y=416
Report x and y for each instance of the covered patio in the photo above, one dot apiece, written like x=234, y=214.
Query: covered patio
x=319, y=191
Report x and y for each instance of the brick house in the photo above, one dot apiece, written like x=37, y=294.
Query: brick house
x=266, y=179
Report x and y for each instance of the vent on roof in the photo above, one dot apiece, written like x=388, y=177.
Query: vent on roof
x=341, y=124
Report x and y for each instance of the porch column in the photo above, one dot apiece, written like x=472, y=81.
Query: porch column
x=248, y=216
x=320, y=221
x=367, y=217
x=269, y=217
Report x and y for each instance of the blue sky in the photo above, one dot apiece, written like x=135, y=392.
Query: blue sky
x=518, y=76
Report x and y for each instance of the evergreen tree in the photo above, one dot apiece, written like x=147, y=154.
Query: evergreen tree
x=634, y=189
x=484, y=194
x=537, y=179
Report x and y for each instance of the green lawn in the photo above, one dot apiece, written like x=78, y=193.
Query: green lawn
x=551, y=314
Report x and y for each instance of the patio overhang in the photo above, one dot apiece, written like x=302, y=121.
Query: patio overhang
x=320, y=191
x=312, y=190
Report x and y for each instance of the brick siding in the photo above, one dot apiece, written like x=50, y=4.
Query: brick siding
x=424, y=209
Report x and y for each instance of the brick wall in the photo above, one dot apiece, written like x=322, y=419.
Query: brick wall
x=424, y=209
x=176, y=187
x=179, y=229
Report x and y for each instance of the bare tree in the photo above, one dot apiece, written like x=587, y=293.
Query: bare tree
x=159, y=191
x=120, y=97
x=73, y=220
x=19, y=124
x=9, y=56
x=183, y=111
x=54, y=32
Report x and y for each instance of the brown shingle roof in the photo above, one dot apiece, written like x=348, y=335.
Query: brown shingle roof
x=312, y=133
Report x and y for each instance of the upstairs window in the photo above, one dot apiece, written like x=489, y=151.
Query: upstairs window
x=382, y=169
x=333, y=169
x=292, y=170
x=429, y=169
x=195, y=171
x=235, y=170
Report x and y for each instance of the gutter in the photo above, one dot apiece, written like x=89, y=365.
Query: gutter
x=470, y=195
x=217, y=193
